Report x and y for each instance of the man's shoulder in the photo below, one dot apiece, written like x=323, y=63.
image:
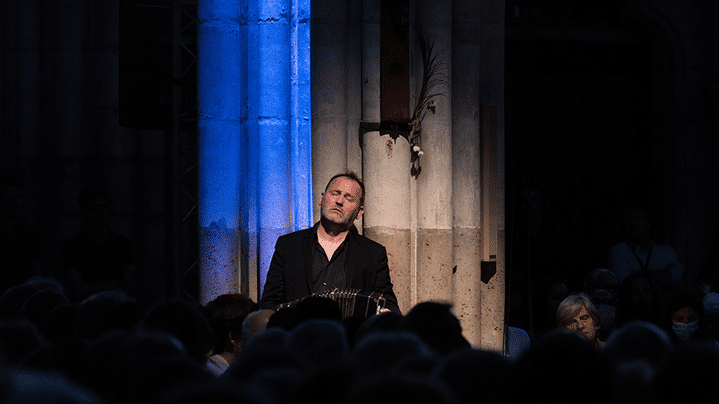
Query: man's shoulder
x=366, y=242
x=296, y=236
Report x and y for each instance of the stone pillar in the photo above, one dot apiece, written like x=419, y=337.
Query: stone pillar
x=273, y=121
x=355, y=40
x=465, y=168
x=491, y=68
x=329, y=97
x=434, y=251
x=219, y=146
x=386, y=167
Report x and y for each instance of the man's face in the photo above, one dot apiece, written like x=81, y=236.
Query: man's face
x=583, y=324
x=340, y=204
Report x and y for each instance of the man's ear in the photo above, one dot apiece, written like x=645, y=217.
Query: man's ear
x=360, y=212
x=319, y=201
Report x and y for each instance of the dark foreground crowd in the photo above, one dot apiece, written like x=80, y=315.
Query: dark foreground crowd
x=107, y=349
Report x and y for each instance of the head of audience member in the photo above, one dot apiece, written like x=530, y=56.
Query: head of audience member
x=685, y=309
x=149, y=383
x=264, y=362
x=632, y=383
x=19, y=340
x=382, y=351
x=550, y=292
x=600, y=278
x=577, y=313
x=255, y=323
x=561, y=367
x=383, y=322
x=711, y=313
x=11, y=300
x=59, y=324
x=105, y=311
x=318, y=342
x=472, y=373
x=186, y=322
x=688, y=375
x=639, y=341
x=396, y=387
x=436, y=325
x=38, y=305
x=28, y=386
x=606, y=304
x=213, y=391
x=226, y=314
x=325, y=385
x=639, y=299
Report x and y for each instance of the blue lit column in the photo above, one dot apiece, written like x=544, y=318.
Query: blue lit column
x=279, y=123
x=273, y=125
x=301, y=115
x=219, y=145
x=255, y=137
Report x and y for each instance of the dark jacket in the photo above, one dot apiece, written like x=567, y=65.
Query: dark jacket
x=290, y=274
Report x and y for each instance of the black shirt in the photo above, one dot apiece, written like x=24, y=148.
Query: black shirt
x=328, y=274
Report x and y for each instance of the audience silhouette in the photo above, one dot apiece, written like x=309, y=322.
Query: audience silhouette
x=118, y=352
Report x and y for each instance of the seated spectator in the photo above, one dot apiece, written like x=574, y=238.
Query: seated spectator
x=19, y=341
x=472, y=373
x=399, y=388
x=38, y=305
x=576, y=313
x=226, y=314
x=106, y=311
x=636, y=351
x=382, y=351
x=21, y=246
x=600, y=278
x=97, y=258
x=436, y=325
x=318, y=342
x=711, y=314
x=707, y=278
x=25, y=386
x=639, y=299
x=639, y=341
x=186, y=322
x=685, y=310
x=638, y=252
x=606, y=304
x=689, y=375
x=561, y=367
x=517, y=341
x=548, y=294
x=255, y=323
x=382, y=322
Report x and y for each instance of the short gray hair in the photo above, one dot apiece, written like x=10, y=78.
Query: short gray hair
x=572, y=305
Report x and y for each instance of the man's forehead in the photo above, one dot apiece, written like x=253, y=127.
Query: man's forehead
x=344, y=183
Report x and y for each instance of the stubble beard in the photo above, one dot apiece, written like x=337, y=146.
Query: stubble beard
x=336, y=226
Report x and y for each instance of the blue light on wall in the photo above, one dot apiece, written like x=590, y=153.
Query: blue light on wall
x=255, y=134
x=273, y=99
x=219, y=145
x=301, y=115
